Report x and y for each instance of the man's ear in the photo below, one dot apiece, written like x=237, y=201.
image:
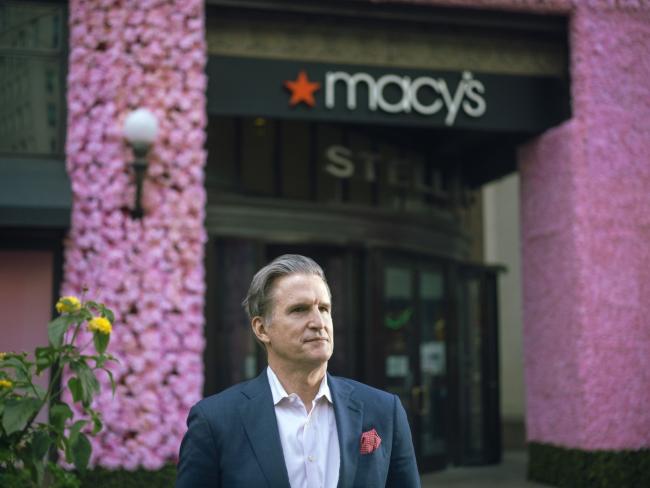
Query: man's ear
x=259, y=329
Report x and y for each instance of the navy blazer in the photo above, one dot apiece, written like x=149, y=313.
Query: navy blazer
x=233, y=439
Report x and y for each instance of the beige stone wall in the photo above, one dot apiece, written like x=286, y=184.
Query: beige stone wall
x=502, y=246
x=415, y=46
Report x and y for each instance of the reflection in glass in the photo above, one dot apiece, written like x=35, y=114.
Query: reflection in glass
x=31, y=92
x=398, y=313
x=433, y=365
x=240, y=351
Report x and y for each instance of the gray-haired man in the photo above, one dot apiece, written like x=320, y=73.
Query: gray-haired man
x=296, y=425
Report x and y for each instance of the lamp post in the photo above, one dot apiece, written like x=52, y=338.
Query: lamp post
x=140, y=130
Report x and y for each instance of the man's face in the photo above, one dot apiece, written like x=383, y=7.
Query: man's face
x=300, y=330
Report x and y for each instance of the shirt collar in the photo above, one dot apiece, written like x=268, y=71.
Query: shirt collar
x=278, y=392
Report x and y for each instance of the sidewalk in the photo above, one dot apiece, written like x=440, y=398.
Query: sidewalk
x=511, y=473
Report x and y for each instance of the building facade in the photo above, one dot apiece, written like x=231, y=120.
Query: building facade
x=360, y=133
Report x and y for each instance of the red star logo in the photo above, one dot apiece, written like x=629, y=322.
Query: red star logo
x=302, y=90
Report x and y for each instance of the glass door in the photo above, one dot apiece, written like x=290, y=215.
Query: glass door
x=431, y=374
x=397, y=332
x=409, y=337
x=478, y=385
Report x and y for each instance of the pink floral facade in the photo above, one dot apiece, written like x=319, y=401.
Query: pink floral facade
x=585, y=232
x=586, y=262
x=126, y=55
x=585, y=221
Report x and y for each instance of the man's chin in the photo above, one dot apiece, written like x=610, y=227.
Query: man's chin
x=322, y=354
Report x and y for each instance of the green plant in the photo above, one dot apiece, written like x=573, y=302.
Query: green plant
x=123, y=478
x=577, y=468
x=24, y=443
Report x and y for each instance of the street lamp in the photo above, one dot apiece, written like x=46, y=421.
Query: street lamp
x=140, y=130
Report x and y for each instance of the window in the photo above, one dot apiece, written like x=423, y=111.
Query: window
x=337, y=164
x=51, y=114
x=49, y=81
x=31, y=64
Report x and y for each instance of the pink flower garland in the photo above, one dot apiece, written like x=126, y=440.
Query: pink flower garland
x=125, y=55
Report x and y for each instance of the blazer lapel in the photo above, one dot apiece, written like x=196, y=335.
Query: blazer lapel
x=258, y=417
x=349, y=414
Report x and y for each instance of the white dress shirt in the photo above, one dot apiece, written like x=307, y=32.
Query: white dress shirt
x=310, y=441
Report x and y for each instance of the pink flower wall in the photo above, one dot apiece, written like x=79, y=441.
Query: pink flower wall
x=586, y=228
x=125, y=55
x=585, y=233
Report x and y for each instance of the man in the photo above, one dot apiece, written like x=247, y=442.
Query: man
x=295, y=425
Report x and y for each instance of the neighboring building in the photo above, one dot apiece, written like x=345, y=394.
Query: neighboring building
x=32, y=105
x=362, y=134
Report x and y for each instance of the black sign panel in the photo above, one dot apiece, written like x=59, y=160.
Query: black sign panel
x=387, y=96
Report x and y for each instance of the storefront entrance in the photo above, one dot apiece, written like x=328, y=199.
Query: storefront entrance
x=363, y=142
x=432, y=341
x=414, y=325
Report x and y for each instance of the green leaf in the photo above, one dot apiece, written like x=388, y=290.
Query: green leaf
x=40, y=391
x=81, y=450
x=17, y=413
x=97, y=422
x=59, y=413
x=67, y=448
x=110, y=377
x=20, y=365
x=42, y=364
x=89, y=383
x=106, y=312
x=76, y=429
x=76, y=389
x=56, y=329
x=40, y=444
x=101, y=341
x=44, y=358
x=43, y=351
x=32, y=467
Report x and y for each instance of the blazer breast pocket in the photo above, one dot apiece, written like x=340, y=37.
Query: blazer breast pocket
x=372, y=468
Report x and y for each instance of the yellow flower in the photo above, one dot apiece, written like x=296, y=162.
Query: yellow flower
x=68, y=304
x=3, y=355
x=6, y=384
x=100, y=324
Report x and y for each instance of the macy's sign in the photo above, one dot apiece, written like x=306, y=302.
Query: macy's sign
x=467, y=96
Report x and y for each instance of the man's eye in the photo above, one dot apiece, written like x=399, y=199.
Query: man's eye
x=325, y=309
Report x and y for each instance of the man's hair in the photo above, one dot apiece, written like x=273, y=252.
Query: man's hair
x=258, y=299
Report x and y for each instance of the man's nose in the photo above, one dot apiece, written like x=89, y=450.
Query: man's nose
x=316, y=319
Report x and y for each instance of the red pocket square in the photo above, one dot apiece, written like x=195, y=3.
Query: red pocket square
x=370, y=441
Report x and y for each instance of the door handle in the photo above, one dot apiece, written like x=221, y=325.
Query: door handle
x=420, y=400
